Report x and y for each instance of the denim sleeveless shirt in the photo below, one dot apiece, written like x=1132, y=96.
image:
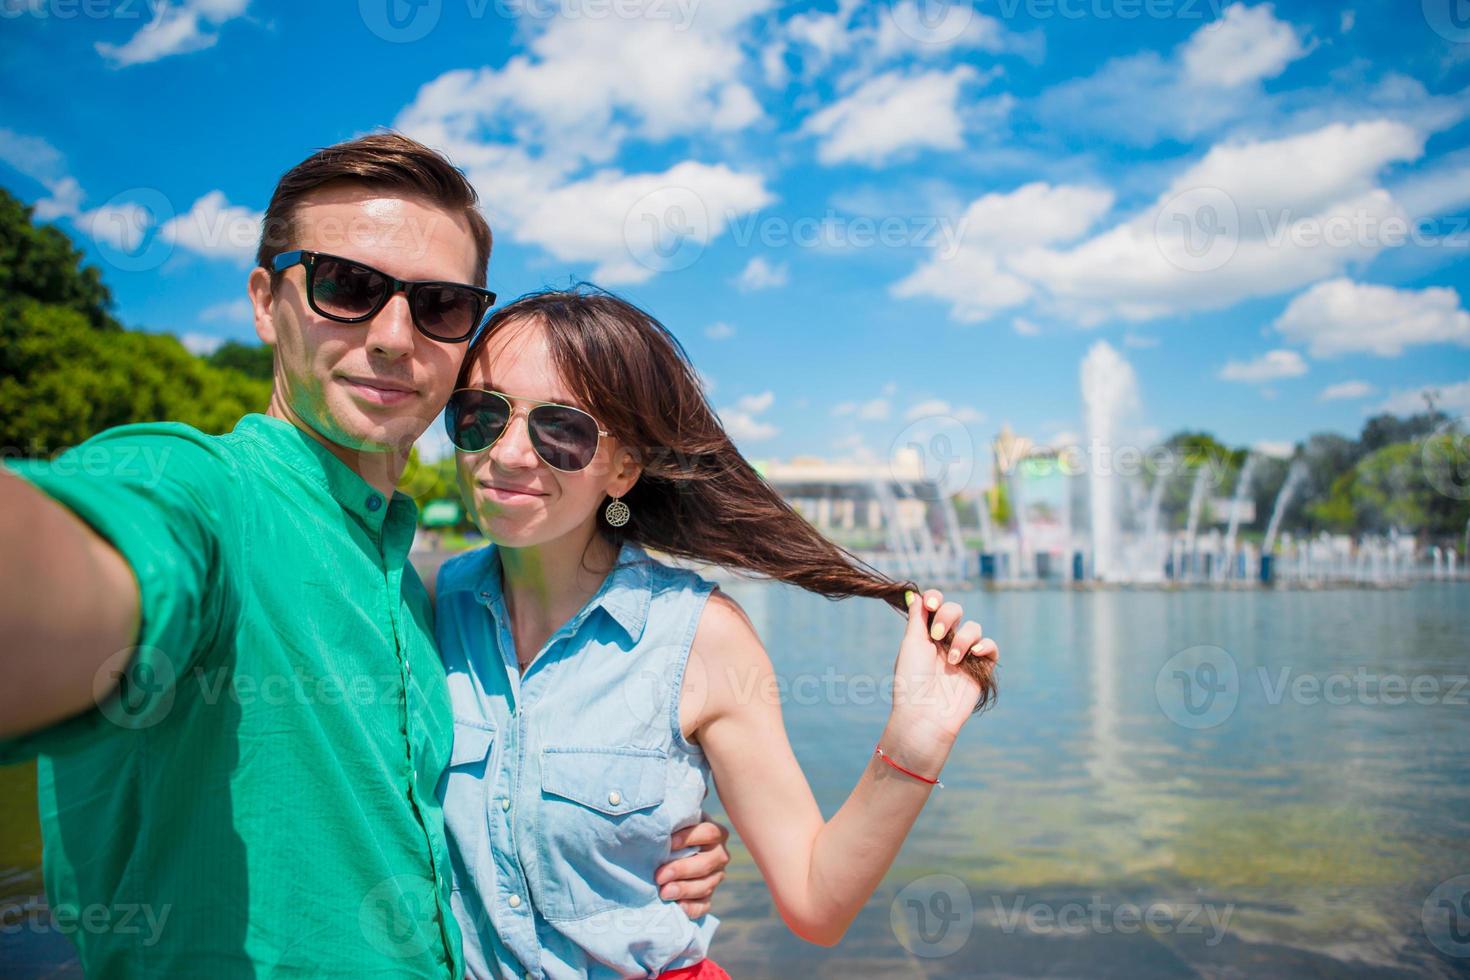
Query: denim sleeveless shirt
x=565, y=783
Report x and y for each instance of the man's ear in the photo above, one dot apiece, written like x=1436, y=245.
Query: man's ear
x=262, y=305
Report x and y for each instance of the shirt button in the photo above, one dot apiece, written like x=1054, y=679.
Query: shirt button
x=515, y=901
x=614, y=798
x=374, y=503
x=505, y=803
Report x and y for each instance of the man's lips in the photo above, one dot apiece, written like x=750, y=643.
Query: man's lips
x=380, y=390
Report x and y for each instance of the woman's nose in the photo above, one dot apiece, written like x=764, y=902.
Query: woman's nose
x=513, y=448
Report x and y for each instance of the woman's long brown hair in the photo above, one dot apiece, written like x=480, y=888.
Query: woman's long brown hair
x=697, y=497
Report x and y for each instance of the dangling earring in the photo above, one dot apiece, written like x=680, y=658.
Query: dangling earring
x=617, y=513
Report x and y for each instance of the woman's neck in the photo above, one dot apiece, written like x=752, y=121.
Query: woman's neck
x=546, y=584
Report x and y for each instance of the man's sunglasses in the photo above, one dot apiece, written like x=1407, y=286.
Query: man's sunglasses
x=566, y=438
x=350, y=292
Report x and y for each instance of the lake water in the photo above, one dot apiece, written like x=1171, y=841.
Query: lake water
x=1199, y=783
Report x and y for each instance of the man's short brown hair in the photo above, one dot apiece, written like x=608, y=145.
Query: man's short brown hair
x=383, y=161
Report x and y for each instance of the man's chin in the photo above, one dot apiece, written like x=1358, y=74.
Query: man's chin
x=381, y=430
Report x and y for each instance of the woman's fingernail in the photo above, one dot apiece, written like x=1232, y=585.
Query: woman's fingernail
x=932, y=603
x=936, y=632
x=954, y=657
x=908, y=597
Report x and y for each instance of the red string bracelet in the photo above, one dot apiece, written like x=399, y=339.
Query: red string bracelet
x=907, y=772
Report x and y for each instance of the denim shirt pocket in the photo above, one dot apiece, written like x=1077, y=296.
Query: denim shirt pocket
x=465, y=789
x=602, y=832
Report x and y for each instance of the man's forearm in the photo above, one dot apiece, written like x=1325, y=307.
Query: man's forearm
x=68, y=602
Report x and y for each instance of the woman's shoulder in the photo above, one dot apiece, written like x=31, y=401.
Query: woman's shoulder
x=464, y=572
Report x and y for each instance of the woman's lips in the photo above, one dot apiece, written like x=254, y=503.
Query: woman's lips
x=506, y=494
x=379, y=392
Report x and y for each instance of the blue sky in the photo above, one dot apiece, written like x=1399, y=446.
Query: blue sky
x=853, y=215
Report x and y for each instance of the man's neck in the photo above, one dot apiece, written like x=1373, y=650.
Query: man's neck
x=380, y=470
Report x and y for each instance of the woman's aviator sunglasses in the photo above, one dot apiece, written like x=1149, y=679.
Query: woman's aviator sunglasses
x=566, y=438
x=350, y=292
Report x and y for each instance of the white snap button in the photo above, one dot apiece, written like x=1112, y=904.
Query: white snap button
x=614, y=798
x=515, y=901
x=505, y=803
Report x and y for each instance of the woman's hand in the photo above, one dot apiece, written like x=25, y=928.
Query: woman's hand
x=934, y=693
x=693, y=879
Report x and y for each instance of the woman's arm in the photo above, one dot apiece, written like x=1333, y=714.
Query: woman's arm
x=820, y=873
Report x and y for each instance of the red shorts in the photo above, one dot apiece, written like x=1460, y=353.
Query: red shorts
x=703, y=970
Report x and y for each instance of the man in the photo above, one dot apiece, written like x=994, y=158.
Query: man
x=216, y=646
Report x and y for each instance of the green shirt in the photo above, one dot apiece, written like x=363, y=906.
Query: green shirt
x=257, y=797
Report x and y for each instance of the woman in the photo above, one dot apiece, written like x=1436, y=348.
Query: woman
x=596, y=689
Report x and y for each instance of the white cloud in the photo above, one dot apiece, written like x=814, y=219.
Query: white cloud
x=1345, y=390
x=866, y=36
x=525, y=134
x=200, y=343
x=1212, y=79
x=1247, y=44
x=1341, y=316
x=741, y=420
x=124, y=226
x=719, y=331
x=586, y=84
x=176, y=28
x=1237, y=224
x=743, y=428
x=65, y=200
x=872, y=410
x=760, y=274
x=978, y=278
x=1454, y=397
x=627, y=224
x=1276, y=449
x=1025, y=327
x=939, y=407
x=215, y=228
x=31, y=155
x=1139, y=341
x=1270, y=366
x=892, y=114
x=229, y=311
x=756, y=404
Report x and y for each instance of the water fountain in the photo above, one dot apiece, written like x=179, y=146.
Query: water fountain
x=1294, y=476
x=1110, y=399
x=1242, y=487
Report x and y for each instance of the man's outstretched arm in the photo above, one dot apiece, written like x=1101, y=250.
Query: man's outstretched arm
x=68, y=602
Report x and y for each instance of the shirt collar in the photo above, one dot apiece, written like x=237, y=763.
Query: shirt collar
x=625, y=595
x=308, y=457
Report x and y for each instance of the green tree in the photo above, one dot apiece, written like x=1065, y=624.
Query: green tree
x=251, y=360
x=39, y=262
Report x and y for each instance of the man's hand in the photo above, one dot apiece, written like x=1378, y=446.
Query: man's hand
x=693, y=880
